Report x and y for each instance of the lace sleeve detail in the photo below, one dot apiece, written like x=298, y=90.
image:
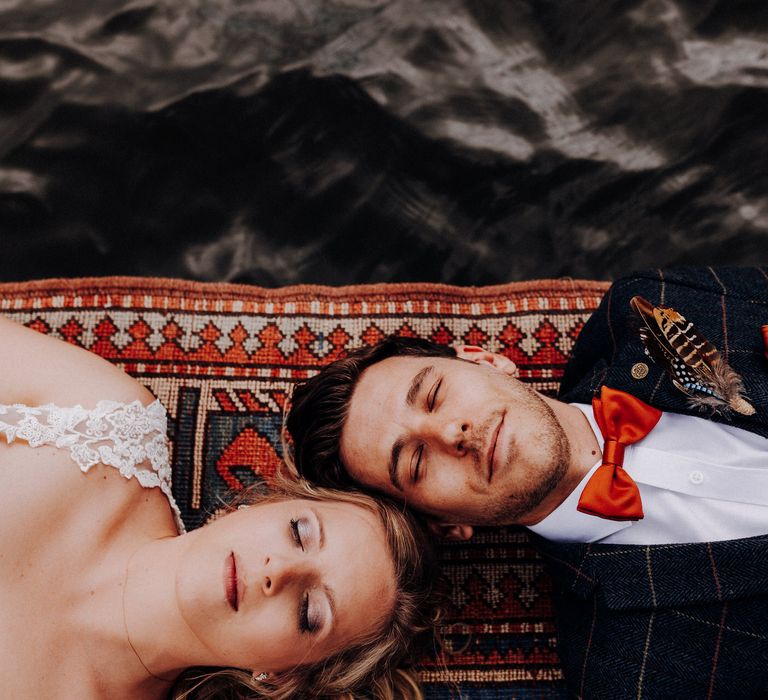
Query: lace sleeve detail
x=130, y=437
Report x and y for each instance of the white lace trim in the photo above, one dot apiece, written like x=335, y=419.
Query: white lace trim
x=130, y=437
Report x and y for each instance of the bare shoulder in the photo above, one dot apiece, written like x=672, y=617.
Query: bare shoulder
x=37, y=369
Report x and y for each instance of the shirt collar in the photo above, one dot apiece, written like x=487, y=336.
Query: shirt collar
x=565, y=523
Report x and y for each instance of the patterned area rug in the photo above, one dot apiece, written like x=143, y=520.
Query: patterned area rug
x=223, y=360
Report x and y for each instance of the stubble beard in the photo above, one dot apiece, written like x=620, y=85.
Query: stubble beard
x=552, y=443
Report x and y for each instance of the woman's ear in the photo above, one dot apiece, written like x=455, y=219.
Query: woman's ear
x=448, y=531
x=476, y=354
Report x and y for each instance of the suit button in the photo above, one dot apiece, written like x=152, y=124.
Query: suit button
x=639, y=370
x=696, y=477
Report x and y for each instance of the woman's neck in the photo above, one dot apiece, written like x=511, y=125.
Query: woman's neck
x=138, y=642
x=154, y=627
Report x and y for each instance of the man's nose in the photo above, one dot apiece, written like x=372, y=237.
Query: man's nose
x=280, y=571
x=452, y=435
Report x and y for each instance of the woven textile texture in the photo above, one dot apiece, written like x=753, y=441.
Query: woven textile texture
x=223, y=360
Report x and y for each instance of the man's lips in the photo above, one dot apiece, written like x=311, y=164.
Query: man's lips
x=230, y=582
x=492, y=448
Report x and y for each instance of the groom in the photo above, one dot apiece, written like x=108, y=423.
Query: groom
x=651, y=505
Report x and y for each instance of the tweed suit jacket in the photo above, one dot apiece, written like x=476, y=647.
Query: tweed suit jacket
x=668, y=621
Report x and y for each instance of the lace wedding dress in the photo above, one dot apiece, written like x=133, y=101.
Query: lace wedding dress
x=130, y=437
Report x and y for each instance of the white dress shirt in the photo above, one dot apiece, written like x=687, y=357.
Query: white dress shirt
x=699, y=481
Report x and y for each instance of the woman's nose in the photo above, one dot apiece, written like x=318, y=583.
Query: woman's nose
x=280, y=571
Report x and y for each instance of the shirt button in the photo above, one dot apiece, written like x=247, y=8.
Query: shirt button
x=639, y=370
x=696, y=477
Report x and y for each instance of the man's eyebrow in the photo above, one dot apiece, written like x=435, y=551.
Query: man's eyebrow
x=394, y=458
x=416, y=382
x=410, y=399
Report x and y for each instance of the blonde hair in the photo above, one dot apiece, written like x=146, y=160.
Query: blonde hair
x=378, y=665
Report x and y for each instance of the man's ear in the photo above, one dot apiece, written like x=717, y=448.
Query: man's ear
x=449, y=531
x=476, y=354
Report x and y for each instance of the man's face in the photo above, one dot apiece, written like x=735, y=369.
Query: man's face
x=462, y=441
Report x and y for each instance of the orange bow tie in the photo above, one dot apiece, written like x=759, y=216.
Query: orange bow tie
x=623, y=420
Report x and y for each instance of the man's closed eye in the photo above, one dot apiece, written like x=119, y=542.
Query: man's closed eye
x=415, y=470
x=432, y=396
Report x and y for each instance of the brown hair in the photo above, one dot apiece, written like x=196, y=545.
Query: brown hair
x=319, y=408
x=379, y=665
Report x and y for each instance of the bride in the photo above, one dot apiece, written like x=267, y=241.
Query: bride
x=102, y=594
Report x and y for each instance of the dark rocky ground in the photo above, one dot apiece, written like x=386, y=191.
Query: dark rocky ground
x=345, y=141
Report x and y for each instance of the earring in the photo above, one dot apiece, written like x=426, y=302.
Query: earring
x=260, y=677
x=242, y=506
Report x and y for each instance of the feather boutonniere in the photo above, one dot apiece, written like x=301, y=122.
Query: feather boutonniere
x=694, y=364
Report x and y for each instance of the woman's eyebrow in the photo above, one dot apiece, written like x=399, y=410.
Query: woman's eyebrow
x=326, y=588
x=331, y=604
x=320, y=527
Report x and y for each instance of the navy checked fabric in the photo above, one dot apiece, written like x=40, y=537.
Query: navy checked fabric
x=669, y=621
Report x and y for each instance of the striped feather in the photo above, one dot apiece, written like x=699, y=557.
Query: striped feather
x=694, y=364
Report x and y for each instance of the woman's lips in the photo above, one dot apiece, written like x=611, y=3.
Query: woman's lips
x=230, y=582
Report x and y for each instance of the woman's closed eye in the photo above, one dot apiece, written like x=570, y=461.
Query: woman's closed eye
x=310, y=617
x=301, y=532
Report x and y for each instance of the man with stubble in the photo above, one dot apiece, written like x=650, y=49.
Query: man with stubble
x=657, y=543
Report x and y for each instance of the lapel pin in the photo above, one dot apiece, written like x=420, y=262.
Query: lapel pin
x=694, y=364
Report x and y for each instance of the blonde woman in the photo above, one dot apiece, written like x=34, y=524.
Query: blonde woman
x=102, y=594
